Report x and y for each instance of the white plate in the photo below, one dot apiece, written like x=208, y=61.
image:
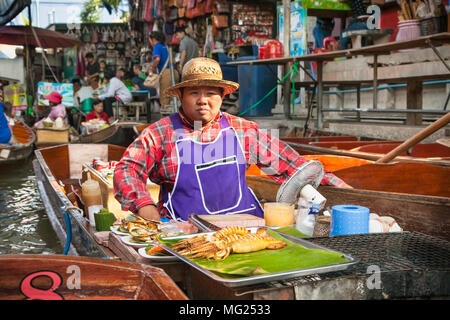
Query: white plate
x=154, y=258
x=127, y=240
x=116, y=230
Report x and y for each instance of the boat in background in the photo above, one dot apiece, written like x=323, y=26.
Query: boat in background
x=416, y=195
x=81, y=278
x=329, y=162
x=431, y=153
x=23, y=149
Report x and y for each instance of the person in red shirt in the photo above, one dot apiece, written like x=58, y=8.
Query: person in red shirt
x=199, y=155
x=98, y=112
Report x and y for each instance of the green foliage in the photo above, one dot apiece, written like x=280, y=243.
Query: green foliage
x=91, y=9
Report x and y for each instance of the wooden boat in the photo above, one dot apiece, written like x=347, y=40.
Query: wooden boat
x=58, y=170
x=416, y=195
x=139, y=128
x=329, y=162
x=120, y=134
x=58, y=277
x=26, y=137
x=433, y=153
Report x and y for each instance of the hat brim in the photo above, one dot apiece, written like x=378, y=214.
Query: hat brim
x=228, y=86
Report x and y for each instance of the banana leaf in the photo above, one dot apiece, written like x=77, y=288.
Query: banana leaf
x=292, y=257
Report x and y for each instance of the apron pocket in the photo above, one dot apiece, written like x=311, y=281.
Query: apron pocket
x=219, y=184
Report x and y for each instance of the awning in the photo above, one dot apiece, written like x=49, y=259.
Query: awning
x=24, y=35
x=9, y=9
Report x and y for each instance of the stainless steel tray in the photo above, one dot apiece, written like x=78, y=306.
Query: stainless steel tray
x=245, y=281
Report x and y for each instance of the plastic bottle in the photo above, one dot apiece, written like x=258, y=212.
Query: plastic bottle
x=92, y=198
x=306, y=218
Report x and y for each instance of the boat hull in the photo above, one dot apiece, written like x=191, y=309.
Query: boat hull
x=26, y=137
x=82, y=278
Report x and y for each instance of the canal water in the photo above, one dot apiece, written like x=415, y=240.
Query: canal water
x=24, y=225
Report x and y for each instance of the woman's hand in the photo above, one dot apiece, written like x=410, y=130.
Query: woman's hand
x=149, y=212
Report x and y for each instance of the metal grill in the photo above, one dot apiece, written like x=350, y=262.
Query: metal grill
x=391, y=251
x=412, y=264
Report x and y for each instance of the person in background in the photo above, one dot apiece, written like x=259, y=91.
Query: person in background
x=120, y=74
x=98, y=112
x=101, y=72
x=115, y=88
x=76, y=89
x=5, y=129
x=188, y=47
x=357, y=22
x=187, y=152
x=323, y=28
x=160, y=56
x=92, y=66
x=58, y=110
x=139, y=78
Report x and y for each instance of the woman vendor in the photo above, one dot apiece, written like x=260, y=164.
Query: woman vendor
x=199, y=155
x=58, y=110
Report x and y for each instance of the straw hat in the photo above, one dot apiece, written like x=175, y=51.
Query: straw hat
x=202, y=72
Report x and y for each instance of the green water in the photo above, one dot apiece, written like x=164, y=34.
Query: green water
x=24, y=225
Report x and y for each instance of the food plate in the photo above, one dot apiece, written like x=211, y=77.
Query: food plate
x=116, y=230
x=127, y=240
x=309, y=262
x=155, y=258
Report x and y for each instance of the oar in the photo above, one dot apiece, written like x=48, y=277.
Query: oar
x=435, y=126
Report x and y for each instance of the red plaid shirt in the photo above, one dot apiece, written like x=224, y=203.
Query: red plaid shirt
x=153, y=155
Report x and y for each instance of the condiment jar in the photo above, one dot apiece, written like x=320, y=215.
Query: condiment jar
x=278, y=214
x=92, y=199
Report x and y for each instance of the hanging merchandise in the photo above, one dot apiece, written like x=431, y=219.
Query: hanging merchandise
x=148, y=10
x=116, y=35
x=105, y=34
x=209, y=6
x=94, y=38
x=86, y=35
x=173, y=14
x=190, y=4
x=223, y=6
x=220, y=21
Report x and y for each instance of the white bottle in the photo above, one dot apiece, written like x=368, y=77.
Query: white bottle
x=306, y=218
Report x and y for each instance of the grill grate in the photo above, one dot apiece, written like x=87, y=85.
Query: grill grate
x=391, y=251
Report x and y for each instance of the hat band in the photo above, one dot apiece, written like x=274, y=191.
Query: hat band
x=203, y=76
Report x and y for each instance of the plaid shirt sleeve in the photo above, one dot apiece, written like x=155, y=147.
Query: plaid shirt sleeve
x=277, y=159
x=131, y=173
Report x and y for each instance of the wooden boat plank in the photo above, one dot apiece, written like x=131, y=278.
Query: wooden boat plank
x=304, y=149
x=98, y=278
x=421, y=150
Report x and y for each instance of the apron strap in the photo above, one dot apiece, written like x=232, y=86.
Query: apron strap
x=179, y=129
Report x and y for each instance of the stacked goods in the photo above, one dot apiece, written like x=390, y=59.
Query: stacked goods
x=411, y=10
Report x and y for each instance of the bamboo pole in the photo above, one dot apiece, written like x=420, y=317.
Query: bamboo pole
x=438, y=124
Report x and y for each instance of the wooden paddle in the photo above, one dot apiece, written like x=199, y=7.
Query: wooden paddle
x=441, y=122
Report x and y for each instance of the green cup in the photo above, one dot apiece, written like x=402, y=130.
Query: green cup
x=104, y=220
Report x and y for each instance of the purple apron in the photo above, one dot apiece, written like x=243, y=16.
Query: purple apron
x=210, y=177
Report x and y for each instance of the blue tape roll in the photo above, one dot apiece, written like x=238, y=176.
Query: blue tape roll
x=349, y=219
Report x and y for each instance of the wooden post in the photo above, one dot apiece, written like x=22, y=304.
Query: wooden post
x=286, y=50
x=375, y=82
x=319, y=94
x=414, y=102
